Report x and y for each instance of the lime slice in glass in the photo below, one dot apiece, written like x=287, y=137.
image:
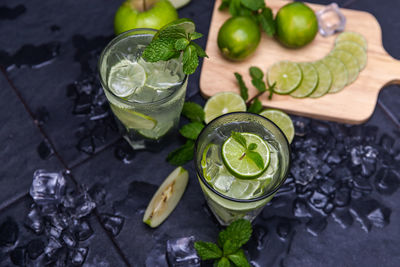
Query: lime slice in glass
x=324, y=82
x=309, y=82
x=240, y=165
x=161, y=129
x=222, y=103
x=282, y=120
x=352, y=37
x=125, y=77
x=349, y=61
x=287, y=76
x=355, y=50
x=133, y=119
x=338, y=71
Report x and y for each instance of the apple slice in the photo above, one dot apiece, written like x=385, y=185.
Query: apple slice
x=166, y=198
x=179, y=3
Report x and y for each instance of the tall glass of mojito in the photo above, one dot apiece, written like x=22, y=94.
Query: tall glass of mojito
x=241, y=160
x=146, y=98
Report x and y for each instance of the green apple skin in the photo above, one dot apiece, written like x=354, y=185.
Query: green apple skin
x=160, y=14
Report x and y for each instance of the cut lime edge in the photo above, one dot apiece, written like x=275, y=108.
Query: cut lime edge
x=288, y=136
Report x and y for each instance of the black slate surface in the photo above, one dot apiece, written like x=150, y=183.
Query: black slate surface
x=50, y=91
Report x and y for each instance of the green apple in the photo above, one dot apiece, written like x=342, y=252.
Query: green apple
x=144, y=14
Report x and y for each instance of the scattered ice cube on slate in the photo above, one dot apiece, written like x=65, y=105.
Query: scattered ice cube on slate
x=52, y=247
x=98, y=193
x=334, y=157
x=78, y=256
x=113, y=223
x=181, y=252
x=68, y=239
x=387, y=143
x=9, y=232
x=83, y=205
x=124, y=153
x=362, y=184
x=320, y=127
x=48, y=209
x=342, y=197
x=18, y=256
x=356, y=153
x=343, y=217
x=316, y=225
x=259, y=234
x=35, y=248
x=47, y=187
x=327, y=186
x=330, y=20
x=370, y=211
x=82, y=105
x=34, y=221
x=318, y=200
x=328, y=208
x=301, y=125
x=283, y=230
x=84, y=230
x=54, y=232
x=45, y=150
x=300, y=209
x=387, y=181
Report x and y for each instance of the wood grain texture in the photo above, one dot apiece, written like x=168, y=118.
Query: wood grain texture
x=354, y=104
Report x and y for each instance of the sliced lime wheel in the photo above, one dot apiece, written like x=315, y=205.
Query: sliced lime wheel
x=352, y=37
x=324, y=82
x=287, y=76
x=222, y=103
x=282, y=120
x=309, y=82
x=133, y=119
x=338, y=71
x=349, y=61
x=355, y=50
x=235, y=160
x=125, y=77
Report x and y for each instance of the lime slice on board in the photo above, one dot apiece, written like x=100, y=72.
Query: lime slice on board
x=349, y=61
x=125, y=77
x=133, y=119
x=222, y=103
x=325, y=80
x=287, y=76
x=338, y=71
x=352, y=37
x=240, y=165
x=355, y=50
x=309, y=82
x=282, y=120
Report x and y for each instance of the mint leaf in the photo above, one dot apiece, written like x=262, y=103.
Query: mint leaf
x=244, y=91
x=160, y=49
x=256, y=73
x=271, y=90
x=266, y=19
x=223, y=262
x=255, y=107
x=239, y=231
x=193, y=111
x=224, y=5
x=239, y=259
x=191, y=130
x=238, y=137
x=171, y=32
x=181, y=44
x=252, y=146
x=195, y=35
x=190, y=59
x=230, y=247
x=182, y=154
x=207, y=250
x=253, y=4
x=234, y=7
x=256, y=158
x=200, y=50
x=259, y=85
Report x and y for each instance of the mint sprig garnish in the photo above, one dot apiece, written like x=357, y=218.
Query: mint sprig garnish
x=249, y=150
x=174, y=40
x=228, y=251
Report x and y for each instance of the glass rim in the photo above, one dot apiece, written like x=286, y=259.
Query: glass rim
x=115, y=40
x=270, y=193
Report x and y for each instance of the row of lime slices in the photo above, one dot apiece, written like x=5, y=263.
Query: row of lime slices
x=328, y=75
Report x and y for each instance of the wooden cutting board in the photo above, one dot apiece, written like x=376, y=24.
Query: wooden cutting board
x=354, y=104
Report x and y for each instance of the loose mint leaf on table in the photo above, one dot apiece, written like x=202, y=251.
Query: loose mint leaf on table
x=255, y=107
x=239, y=231
x=192, y=130
x=238, y=137
x=244, y=91
x=239, y=259
x=193, y=111
x=254, y=5
x=190, y=59
x=207, y=250
x=259, y=85
x=266, y=19
x=182, y=154
x=256, y=73
x=256, y=158
x=223, y=262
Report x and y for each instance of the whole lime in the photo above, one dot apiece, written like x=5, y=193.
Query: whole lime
x=144, y=14
x=296, y=25
x=238, y=37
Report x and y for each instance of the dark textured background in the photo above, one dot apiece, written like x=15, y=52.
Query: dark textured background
x=53, y=116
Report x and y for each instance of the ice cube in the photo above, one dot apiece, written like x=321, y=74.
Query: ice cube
x=52, y=247
x=113, y=223
x=47, y=187
x=300, y=209
x=84, y=230
x=318, y=200
x=181, y=252
x=78, y=256
x=330, y=20
x=83, y=205
x=34, y=221
x=35, y=248
x=316, y=225
x=68, y=239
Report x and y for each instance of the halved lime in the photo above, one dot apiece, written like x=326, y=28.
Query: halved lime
x=236, y=161
x=309, y=82
x=287, y=76
x=222, y=103
x=355, y=50
x=352, y=37
x=125, y=77
x=133, y=119
x=177, y=28
x=325, y=80
x=338, y=71
x=349, y=61
x=282, y=120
